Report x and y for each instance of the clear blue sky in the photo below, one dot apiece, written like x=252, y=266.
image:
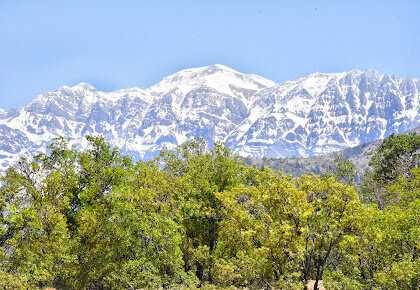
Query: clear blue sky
x=116, y=44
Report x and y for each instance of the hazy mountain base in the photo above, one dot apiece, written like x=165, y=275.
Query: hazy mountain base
x=324, y=164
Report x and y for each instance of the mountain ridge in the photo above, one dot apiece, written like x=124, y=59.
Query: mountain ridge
x=255, y=117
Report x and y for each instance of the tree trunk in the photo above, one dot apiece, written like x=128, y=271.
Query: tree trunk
x=318, y=275
x=199, y=271
x=307, y=264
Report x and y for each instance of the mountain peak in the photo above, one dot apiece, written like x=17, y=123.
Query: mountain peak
x=217, y=76
x=82, y=86
x=208, y=69
x=217, y=68
x=199, y=73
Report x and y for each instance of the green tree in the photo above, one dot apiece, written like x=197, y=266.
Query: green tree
x=205, y=172
x=333, y=220
x=344, y=170
x=261, y=235
x=35, y=244
x=395, y=157
x=129, y=227
x=386, y=252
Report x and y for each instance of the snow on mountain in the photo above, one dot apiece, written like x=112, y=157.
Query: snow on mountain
x=222, y=78
x=312, y=115
x=3, y=114
x=323, y=113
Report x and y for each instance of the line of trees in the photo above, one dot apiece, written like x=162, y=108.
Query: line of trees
x=200, y=218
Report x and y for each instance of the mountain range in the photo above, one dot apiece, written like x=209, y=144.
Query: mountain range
x=313, y=115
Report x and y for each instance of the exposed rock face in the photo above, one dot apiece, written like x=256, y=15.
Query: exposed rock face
x=255, y=117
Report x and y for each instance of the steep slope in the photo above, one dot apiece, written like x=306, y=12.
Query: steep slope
x=324, y=113
x=256, y=117
x=207, y=102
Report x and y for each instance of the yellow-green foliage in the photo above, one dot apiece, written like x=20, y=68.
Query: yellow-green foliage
x=199, y=218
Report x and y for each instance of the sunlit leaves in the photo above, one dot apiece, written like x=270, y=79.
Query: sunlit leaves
x=198, y=217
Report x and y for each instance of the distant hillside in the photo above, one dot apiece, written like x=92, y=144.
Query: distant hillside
x=359, y=156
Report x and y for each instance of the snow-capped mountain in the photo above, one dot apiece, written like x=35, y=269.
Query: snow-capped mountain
x=256, y=117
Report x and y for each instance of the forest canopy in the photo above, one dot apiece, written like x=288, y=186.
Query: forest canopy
x=198, y=217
